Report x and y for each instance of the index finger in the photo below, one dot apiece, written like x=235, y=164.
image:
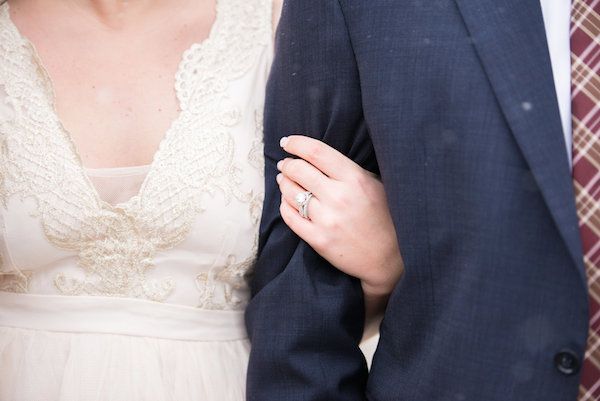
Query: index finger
x=327, y=159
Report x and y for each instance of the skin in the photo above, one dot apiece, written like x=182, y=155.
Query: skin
x=349, y=220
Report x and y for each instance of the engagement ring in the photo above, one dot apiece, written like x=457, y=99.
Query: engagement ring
x=302, y=200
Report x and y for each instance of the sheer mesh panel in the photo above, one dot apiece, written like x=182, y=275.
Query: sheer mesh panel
x=118, y=185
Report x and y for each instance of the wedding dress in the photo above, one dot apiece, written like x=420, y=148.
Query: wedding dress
x=129, y=284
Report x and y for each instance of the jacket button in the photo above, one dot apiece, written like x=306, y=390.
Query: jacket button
x=567, y=362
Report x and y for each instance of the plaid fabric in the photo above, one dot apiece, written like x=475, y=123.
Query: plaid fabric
x=585, y=76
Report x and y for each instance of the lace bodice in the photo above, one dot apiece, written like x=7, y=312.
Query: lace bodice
x=182, y=230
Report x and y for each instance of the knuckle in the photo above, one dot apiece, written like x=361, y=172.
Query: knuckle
x=284, y=187
x=341, y=200
x=362, y=180
x=370, y=186
x=330, y=223
x=291, y=168
x=314, y=152
x=321, y=242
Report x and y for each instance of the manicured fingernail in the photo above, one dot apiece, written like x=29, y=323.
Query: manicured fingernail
x=283, y=141
x=279, y=178
x=280, y=165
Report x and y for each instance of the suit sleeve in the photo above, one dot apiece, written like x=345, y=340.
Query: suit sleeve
x=306, y=318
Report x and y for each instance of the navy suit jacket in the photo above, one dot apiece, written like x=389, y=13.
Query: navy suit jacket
x=453, y=103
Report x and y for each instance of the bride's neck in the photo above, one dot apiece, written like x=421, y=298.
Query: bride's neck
x=114, y=14
x=118, y=13
x=110, y=9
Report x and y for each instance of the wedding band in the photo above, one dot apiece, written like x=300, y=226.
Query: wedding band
x=302, y=200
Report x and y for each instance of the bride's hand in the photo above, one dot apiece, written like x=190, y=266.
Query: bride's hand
x=349, y=221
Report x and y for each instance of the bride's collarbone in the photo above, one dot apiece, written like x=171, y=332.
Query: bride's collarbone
x=113, y=91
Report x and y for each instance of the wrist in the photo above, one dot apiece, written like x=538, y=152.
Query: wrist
x=384, y=283
x=376, y=290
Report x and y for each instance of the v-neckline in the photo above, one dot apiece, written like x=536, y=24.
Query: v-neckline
x=68, y=138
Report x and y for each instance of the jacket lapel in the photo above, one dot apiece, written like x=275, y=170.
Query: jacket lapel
x=510, y=39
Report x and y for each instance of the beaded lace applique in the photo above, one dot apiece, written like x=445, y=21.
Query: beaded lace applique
x=16, y=282
x=116, y=244
x=219, y=285
x=256, y=157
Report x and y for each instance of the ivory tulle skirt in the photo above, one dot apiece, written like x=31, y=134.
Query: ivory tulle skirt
x=104, y=349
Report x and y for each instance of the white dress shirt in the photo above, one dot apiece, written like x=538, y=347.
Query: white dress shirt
x=557, y=16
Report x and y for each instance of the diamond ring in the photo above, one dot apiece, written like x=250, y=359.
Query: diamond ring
x=302, y=200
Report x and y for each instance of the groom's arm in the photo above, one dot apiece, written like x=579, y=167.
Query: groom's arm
x=306, y=318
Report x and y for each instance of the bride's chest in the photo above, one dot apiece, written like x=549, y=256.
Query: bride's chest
x=192, y=224
x=116, y=114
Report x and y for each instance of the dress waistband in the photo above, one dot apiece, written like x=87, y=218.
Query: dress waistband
x=85, y=314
